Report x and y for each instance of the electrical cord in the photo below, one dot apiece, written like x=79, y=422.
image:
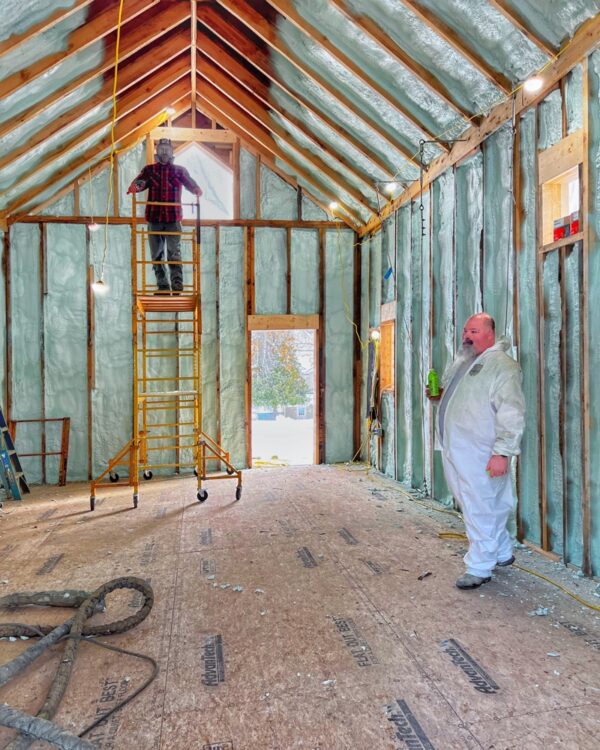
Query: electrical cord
x=463, y=537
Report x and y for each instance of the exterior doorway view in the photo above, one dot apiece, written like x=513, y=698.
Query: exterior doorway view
x=283, y=397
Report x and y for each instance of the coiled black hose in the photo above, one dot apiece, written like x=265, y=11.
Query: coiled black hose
x=40, y=727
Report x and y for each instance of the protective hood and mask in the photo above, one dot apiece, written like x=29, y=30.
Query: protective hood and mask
x=164, y=151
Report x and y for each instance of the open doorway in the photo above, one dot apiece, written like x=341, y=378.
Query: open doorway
x=283, y=397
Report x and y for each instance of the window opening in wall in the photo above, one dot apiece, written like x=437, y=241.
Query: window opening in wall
x=214, y=173
x=283, y=397
x=561, y=199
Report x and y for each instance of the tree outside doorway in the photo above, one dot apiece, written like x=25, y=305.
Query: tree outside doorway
x=282, y=397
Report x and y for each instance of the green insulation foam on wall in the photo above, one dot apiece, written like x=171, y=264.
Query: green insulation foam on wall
x=112, y=407
x=232, y=342
x=339, y=345
x=270, y=270
x=304, y=260
x=552, y=397
x=26, y=332
x=469, y=230
x=442, y=268
x=65, y=341
x=404, y=349
x=210, y=332
x=247, y=185
x=497, y=230
x=529, y=479
x=593, y=314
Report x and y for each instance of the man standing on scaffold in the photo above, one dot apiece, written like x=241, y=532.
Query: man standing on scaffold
x=164, y=181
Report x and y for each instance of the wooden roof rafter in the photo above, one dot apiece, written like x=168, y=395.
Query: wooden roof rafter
x=228, y=86
x=157, y=22
x=147, y=116
x=93, y=169
x=511, y=14
x=453, y=39
x=242, y=75
x=378, y=35
x=84, y=36
x=129, y=75
x=585, y=41
x=236, y=119
x=126, y=104
x=262, y=28
x=15, y=40
x=286, y=8
x=258, y=149
x=260, y=61
x=193, y=35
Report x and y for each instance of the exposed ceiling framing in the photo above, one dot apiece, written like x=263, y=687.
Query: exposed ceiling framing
x=336, y=95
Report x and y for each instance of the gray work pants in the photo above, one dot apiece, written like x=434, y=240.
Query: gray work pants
x=172, y=244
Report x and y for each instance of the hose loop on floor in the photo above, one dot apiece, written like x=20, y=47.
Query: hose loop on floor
x=87, y=604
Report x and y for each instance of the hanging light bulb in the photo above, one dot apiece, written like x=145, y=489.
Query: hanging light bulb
x=375, y=335
x=170, y=111
x=333, y=206
x=99, y=287
x=533, y=85
x=93, y=227
x=390, y=187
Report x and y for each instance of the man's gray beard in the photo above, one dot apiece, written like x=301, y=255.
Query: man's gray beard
x=467, y=351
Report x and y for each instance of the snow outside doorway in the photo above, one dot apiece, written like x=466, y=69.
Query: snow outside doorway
x=283, y=397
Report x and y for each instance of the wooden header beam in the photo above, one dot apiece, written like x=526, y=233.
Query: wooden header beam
x=196, y=135
x=583, y=43
x=282, y=322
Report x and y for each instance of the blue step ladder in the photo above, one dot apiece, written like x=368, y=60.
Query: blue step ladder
x=11, y=473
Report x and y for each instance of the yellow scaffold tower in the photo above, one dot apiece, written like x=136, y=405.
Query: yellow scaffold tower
x=167, y=384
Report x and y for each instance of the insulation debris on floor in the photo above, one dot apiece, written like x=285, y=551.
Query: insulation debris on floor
x=319, y=612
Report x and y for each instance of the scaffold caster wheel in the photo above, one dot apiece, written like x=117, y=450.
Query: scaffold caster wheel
x=135, y=501
x=231, y=472
x=147, y=474
x=202, y=495
x=238, y=493
x=113, y=476
x=92, y=502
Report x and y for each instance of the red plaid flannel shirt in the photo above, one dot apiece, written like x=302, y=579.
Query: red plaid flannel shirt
x=164, y=183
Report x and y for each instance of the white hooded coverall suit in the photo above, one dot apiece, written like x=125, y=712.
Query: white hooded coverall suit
x=484, y=415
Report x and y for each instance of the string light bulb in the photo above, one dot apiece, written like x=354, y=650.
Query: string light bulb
x=375, y=335
x=99, y=287
x=170, y=111
x=333, y=206
x=390, y=187
x=533, y=85
x=93, y=227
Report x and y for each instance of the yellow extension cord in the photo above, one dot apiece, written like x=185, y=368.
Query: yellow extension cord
x=462, y=537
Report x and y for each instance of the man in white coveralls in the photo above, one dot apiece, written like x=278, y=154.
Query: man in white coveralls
x=480, y=421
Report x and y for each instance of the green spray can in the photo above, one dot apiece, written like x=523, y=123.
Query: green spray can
x=433, y=383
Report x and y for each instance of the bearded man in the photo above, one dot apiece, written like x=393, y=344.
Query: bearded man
x=480, y=422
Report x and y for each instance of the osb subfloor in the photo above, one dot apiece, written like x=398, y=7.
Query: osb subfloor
x=335, y=640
